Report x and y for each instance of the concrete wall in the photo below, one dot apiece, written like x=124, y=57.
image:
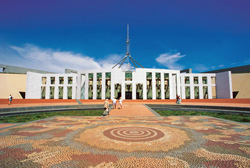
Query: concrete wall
x=200, y=84
x=12, y=84
x=224, y=85
x=34, y=84
x=241, y=83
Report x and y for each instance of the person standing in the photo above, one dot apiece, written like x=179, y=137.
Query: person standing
x=114, y=103
x=106, y=107
x=177, y=98
x=120, y=103
x=106, y=104
x=10, y=100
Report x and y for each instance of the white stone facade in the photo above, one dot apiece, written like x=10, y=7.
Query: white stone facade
x=35, y=84
x=199, y=85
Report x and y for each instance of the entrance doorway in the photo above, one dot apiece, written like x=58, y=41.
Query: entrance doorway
x=118, y=91
x=128, y=91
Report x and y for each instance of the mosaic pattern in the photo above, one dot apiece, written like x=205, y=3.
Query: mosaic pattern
x=133, y=134
x=181, y=141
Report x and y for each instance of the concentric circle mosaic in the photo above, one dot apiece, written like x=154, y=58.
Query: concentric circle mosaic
x=133, y=134
x=172, y=142
x=132, y=137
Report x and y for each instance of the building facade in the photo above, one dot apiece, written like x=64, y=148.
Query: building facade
x=136, y=84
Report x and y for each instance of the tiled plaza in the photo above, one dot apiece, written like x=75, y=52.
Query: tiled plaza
x=129, y=141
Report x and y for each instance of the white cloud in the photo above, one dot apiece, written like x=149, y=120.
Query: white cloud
x=57, y=61
x=201, y=67
x=110, y=61
x=169, y=60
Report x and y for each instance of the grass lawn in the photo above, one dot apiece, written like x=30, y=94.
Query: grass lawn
x=37, y=116
x=233, y=117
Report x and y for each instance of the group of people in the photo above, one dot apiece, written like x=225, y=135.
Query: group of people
x=114, y=101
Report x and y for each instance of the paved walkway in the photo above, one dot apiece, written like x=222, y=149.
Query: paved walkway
x=131, y=109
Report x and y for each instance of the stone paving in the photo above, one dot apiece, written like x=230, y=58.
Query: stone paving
x=132, y=141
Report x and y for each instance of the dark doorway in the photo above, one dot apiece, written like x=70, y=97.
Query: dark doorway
x=119, y=94
x=235, y=93
x=128, y=95
x=22, y=94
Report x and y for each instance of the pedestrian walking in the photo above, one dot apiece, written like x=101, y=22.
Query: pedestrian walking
x=120, y=103
x=178, y=99
x=10, y=100
x=106, y=107
x=114, y=103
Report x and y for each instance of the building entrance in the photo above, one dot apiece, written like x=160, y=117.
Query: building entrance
x=128, y=91
x=118, y=91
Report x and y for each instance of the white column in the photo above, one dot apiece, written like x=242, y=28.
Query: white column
x=65, y=89
x=170, y=86
x=178, y=91
x=209, y=82
x=153, y=86
x=94, y=85
x=112, y=84
x=87, y=86
x=47, y=88
x=103, y=84
x=191, y=87
x=56, y=87
x=162, y=86
x=200, y=87
x=78, y=89
x=133, y=90
x=123, y=89
x=74, y=84
x=182, y=83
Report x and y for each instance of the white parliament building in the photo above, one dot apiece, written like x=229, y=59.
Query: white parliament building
x=134, y=82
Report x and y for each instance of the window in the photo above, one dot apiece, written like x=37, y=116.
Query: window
x=52, y=80
x=149, y=85
x=99, y=86
x=158, y=85
x=213, y=79
x=43, y=92
x=61, y=80
x=139, y=91
x=187, y=80
x=128, y=76
x=60, y=94
x=108, y=85
x=196, y=92
x=166, y=85
x=196, y=80
x=90, y=86
x=69, y=92
x=44, y=80
x=52, y=91
x=187, y=92
x=204, y=80
x=70, y=80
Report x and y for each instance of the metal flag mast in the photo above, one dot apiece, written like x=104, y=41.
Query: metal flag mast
x=128, y=56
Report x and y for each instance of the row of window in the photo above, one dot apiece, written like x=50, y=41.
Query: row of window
x=52, y=92
x=53, y=79
x=128, y=76
x=196, y=80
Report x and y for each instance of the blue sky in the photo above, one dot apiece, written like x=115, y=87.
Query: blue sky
x=56, y=34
